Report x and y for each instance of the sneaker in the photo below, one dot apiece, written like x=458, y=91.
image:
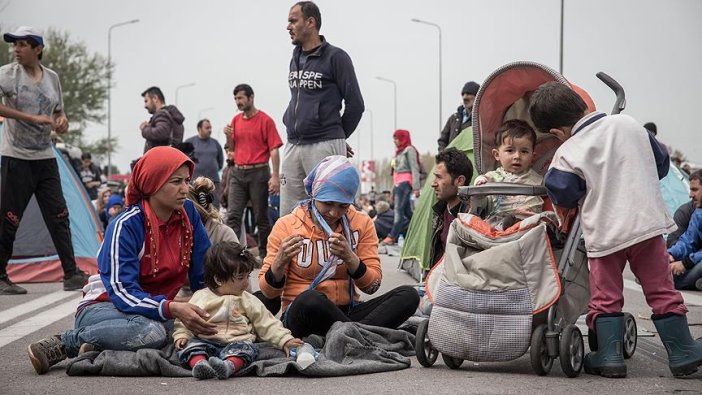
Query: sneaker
x=698, y=284
x=7, y=287
x=388, y=241
x=223, y=368
x=75, y=282
x=203, y=371
x=46, y=353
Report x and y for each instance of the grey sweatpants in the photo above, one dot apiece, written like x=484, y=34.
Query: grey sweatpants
x=298, y=161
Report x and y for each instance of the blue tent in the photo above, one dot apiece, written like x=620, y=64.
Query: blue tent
x=34, y=257
x=675, y=188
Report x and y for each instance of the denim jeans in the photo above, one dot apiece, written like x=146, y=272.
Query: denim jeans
x=196, y=346
x=104, y=326
x=687, y=279
x=403, y=209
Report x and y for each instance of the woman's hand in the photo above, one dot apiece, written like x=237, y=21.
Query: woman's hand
x=193, y=317
x=289, y=248
x=292, y=343
x=180, y=343
x=342, y=249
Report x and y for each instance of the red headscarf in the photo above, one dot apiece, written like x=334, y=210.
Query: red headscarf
x=403, y=136
x=149, y=175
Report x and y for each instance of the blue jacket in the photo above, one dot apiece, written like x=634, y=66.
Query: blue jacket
x=119, y=262
x=688, y=248
x=317, y=88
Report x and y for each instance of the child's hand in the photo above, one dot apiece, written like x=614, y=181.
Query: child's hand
x=180, y=343
x=292, y=343
x=480, y=180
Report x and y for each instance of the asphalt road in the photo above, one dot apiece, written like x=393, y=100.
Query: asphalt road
x=46, y=310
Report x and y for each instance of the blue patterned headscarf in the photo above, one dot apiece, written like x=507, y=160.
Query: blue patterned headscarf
x=334, y=179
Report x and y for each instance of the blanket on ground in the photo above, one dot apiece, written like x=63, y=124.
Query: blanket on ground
x=349, y=348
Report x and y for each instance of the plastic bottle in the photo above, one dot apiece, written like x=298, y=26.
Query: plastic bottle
x=306, y=355
x=401, y=240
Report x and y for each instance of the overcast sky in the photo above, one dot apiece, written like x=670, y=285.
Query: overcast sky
x=652, y=47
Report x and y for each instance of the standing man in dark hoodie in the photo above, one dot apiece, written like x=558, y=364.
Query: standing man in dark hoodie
x=462, y=118
x=166, y=124
x=321, y=77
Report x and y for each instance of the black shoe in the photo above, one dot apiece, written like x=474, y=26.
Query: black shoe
x=75, y=282
x=7, y=287
x=46, y=353
x=698, y=284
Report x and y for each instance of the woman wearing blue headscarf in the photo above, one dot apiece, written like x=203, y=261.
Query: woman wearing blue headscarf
x=323, y=252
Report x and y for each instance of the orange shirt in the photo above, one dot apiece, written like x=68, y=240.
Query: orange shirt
x=308, y=263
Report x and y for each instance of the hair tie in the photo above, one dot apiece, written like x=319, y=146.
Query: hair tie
x=204, y=199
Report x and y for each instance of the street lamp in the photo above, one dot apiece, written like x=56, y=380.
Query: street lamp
x=560, y=62
x=439, y=29
x=179, y=88
x=372, y=136
x=394, y=90
x=109, y=89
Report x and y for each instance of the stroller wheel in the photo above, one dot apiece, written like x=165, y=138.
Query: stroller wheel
x=571, y=351
x=426, y=354
x=541, y=362
x=451, y=362
x=630, y=335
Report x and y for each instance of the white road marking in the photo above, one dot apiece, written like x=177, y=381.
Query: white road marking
x=689, y=297
x=28, y=307
x=37, y=322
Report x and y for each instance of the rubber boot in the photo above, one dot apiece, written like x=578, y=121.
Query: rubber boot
x=684, y=354
x=608, y=360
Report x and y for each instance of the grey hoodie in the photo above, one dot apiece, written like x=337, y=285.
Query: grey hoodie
x=165, y=124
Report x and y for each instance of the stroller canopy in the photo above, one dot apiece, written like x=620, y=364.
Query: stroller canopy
x=504, y=95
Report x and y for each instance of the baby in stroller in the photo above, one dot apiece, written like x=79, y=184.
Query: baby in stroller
x=503, y=291
x=515, y=141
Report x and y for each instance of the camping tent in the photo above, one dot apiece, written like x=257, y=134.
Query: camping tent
x=414, y=256
x=675, y=188
x=34, y=257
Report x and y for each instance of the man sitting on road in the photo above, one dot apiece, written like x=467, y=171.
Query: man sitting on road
x=685, y=255
x=684, y=213
x=453, y=169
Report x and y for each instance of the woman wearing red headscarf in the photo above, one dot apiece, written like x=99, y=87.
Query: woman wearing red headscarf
x=405, y=177
x=148, y=252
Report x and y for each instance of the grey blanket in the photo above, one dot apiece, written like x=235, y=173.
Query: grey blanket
x=350, y=348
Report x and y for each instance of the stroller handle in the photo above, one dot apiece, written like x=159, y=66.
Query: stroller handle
x=501, y=188
x=620, y=103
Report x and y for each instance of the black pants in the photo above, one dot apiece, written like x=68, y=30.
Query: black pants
x=245, y=185
x=273, y=305
x=20, y=179
x=313, y=313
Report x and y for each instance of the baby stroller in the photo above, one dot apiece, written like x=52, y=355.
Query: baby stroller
x=498, y=293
